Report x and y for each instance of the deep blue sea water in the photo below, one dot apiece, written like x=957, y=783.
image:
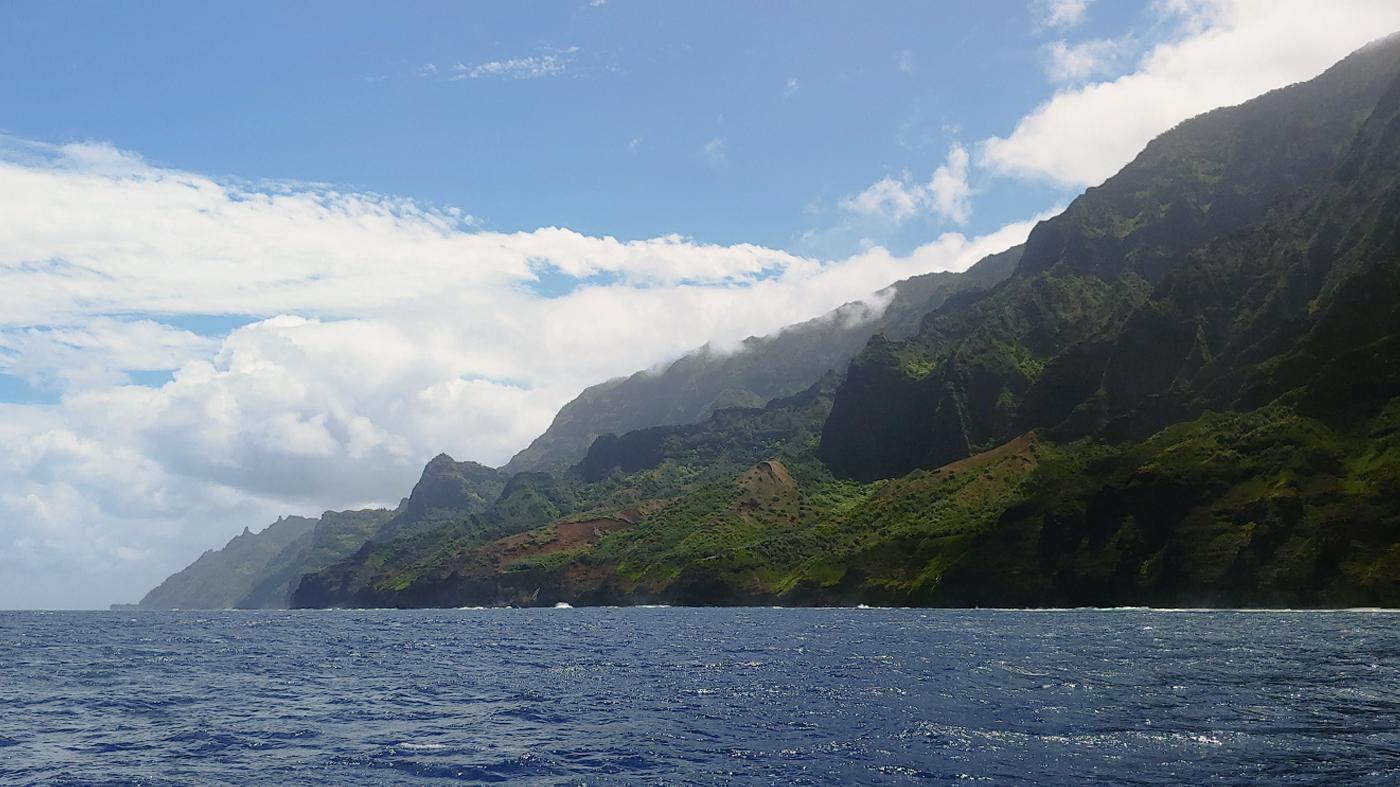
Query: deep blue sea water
x=700, y=696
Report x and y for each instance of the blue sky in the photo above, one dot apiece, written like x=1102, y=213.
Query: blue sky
x=260, y=259
x=725, y=122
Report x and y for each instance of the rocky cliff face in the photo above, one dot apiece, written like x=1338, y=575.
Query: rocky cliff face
x=447, y=490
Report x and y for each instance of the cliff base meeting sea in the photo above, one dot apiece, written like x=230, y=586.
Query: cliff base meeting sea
x=712, y=696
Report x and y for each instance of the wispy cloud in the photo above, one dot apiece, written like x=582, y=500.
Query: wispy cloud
x=906, y=61
x=715, y=150
x=1079, y=62
x=1059, y=14
x=790, y=88
x=517, y=68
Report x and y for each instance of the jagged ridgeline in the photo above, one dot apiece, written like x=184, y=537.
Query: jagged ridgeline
x=260, y=570
x=220, y=578
x=1186, y=393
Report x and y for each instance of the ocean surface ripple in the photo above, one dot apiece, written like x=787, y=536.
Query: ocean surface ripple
x=700, y=697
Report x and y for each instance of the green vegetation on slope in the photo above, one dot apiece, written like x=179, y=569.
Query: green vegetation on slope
x=1267, y=508
x=1260, y=508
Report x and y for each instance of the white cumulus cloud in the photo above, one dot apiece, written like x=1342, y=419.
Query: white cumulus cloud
x=1225, y=52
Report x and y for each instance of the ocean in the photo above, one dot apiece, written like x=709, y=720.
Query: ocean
x=700, y=696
